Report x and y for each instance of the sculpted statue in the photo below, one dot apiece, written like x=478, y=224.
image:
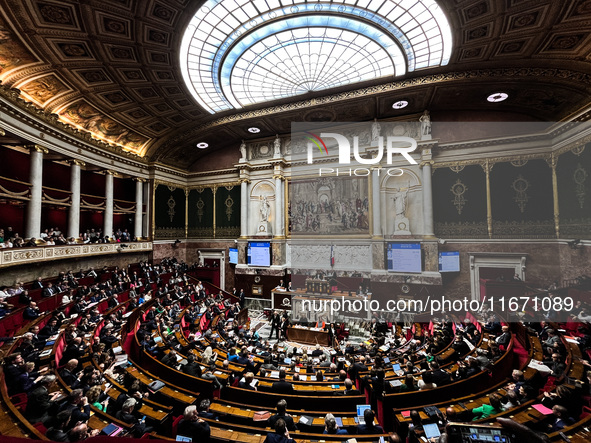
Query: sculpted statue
x=425, y=123
x=277, y=146
x=243, y=150
x=375, y=129
x=265, y=209
x=400, y=202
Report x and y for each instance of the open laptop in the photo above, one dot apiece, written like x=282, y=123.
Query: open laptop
x=360, y=413
x=431, y=430
x=397, y=370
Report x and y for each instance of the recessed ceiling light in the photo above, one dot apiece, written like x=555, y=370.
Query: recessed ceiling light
x=400, y=104
x=497, y=97
x=202, y=145
x=254, y=130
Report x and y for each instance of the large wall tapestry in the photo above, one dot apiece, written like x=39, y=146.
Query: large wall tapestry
x=574, y=192
x=169, y=212
x=227, y=211
x=201, y=213
x=459, y=202
x=329, y=206
x=521, y=199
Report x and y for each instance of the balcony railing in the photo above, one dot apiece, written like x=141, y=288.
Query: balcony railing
x=19, y=256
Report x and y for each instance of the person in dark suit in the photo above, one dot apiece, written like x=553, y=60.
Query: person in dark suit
x=349, y=390
x=203, y=410
x=49, y=291
x=282, y=386
x=369, y=427
x=40, y=403
x=282, y=414
x=192, y=367
x=193, y=426
x=24, y=298
x=67, y=374
x=559, y=419
x=77, y=403
x=281, y=434
x=556, y=365
x=14, y=367
x=74, y=351
x=246, y=384
x=440, y=377
x=127, y=415
x=357, y=368
x=37, y=284
x=57, y=431
x=49, y=329
x=31, y=312
x=460, y=346
x=505, y=338
x=275, y=325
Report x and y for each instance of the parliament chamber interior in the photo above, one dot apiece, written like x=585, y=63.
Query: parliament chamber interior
x=280, y=221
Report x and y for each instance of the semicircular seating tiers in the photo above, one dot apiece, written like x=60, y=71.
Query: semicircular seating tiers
x=139, y=340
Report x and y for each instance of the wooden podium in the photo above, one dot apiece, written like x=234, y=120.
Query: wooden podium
x=308, y=336
x=317, y=286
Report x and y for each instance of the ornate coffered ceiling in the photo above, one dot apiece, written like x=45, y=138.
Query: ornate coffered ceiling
x=111, y=68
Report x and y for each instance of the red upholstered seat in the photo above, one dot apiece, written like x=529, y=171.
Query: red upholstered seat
x=175, y=424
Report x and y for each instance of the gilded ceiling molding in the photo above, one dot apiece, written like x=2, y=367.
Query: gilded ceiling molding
x=214, y=185
x=168, y=184
x=28, y=111
x=574, y=145
x=509, y=73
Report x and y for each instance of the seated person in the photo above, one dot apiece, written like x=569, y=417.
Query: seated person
x=369, y=427
x=485, y=410
x=192, y=426
x=282, y=386
x=281, y=434
x=203, y=410
x=331, y=427
x=247, y=383
x=559, y=419
x=281, y=414
x=349, y=389
x=127, y=415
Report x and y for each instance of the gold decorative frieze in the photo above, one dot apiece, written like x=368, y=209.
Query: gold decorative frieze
x=13, y=257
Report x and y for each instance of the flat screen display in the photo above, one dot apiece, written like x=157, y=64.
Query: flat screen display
x=449, y=261
x=404, y=257
x=259, y=253
x=234, y=256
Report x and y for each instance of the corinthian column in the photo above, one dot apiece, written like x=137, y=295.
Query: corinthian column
x=427, y=199
x=244, y=208
x=36, y=179
x=108, y=221
x=74, y=214
x=376, y=201
x=278, y=206
x=139, y=206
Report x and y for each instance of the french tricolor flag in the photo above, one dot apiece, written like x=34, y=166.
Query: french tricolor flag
x=332, y=255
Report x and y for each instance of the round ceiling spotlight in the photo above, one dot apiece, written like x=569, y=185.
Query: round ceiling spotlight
x=497, y=97
x=254, y=130
x=202, y=145
x=400, y=104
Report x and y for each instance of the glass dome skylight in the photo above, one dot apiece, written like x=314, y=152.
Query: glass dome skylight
x=238, y=52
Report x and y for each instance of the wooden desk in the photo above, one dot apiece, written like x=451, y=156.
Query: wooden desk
x=308, y=336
